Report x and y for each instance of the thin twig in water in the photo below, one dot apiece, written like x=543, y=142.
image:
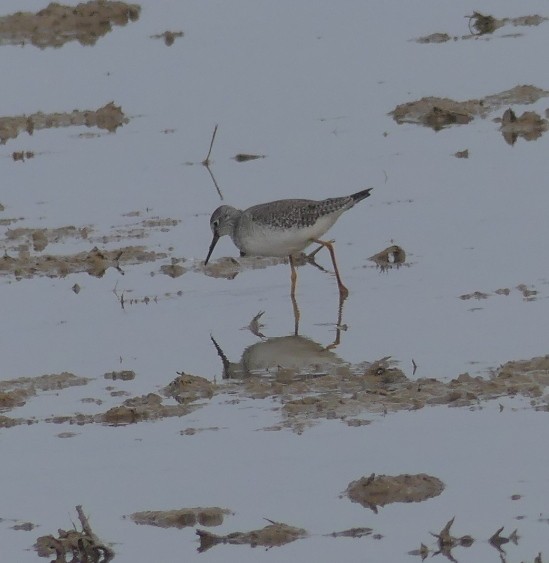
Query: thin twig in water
x=255, y=325
x=99, y=549
x=206, y=161
x=119, y=298
x=213, y=180
x=117, y=265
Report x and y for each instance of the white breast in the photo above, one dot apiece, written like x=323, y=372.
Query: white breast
x=260, y=240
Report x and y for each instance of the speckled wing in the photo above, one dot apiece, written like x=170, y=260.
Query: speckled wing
x=296, y=213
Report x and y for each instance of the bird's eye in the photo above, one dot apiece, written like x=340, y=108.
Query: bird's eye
x=216, y=223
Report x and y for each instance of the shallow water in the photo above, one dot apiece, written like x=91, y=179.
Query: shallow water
x=309, y=86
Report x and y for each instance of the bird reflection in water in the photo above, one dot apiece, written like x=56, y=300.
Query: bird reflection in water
x=297, y=357
x=294, y=356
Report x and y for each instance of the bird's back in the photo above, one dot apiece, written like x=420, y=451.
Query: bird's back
x=297, y=213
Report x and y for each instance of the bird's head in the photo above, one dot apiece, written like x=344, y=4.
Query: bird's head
x=222, y=223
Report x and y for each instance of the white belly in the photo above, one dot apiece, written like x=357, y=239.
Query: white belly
x=262, y=241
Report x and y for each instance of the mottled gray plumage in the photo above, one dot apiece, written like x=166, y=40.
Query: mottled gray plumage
x=291, y=213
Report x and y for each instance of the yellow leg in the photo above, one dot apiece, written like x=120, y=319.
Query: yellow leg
x=343, y=291
x=293, y=276
x=292, y=295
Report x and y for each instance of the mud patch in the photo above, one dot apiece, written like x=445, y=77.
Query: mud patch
x=352, y=533
x=245, y=157
x=40, y=238
x=229, y=267
x=7, y=422
x=24, y=526
x=374, y=491
x=137, y=230
x=24, y=246
x=109, y=117
x=139, y=409
x=483, y=24
x=124, y=375
x=186, y=388
x=528, y=293
x=21, y=156
x=438, y=113
x=191, y=431
x=478, y=295
x=169, y=37
x=182, y=518
x=56, y=24
x=393, y=256
x=173, y=270
x=434, y=38
x=273, y=535
x=528, y=126
x=132, y=410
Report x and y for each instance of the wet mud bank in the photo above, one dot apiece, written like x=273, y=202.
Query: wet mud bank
x=348, y=394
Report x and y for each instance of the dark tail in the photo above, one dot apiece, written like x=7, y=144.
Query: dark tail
x=359, y=196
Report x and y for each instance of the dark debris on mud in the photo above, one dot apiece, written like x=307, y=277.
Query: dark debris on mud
x=75, y=545
x=483, y=25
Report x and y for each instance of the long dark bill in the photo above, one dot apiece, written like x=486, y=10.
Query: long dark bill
x=212, y=246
